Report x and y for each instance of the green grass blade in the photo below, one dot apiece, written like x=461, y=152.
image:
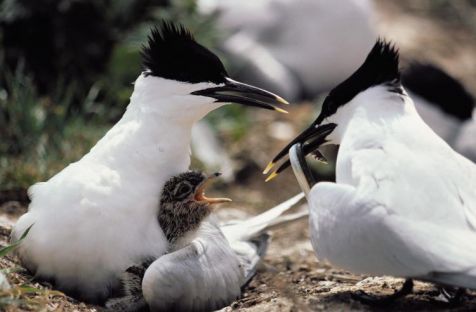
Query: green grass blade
x=5, y=250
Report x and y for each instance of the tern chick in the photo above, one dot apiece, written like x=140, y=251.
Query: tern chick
x=183, y=207
x=207, y=263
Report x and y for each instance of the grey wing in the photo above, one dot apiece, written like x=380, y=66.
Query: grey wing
x=248, y=238
x=204, y=275
x=250, y=254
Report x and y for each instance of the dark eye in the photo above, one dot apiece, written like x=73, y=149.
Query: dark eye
x=182, y=190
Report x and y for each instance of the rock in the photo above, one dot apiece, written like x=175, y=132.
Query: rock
x=4, y=284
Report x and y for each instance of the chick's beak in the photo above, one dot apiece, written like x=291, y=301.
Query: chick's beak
x=200, y=192
x=236, y=92
x=310, y=140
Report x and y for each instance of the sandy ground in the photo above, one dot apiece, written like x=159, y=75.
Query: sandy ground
x=291, y=278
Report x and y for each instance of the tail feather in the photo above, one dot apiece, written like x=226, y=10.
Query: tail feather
x=288, y=219
x=245, y=230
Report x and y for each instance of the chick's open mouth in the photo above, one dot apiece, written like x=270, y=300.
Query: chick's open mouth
x=200, y=193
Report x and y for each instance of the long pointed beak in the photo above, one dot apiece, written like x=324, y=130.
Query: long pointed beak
x=310, y=139
x=241, y=93
x=200, y=191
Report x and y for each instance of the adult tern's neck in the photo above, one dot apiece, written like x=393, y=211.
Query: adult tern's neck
x=145, y=144
x=374, y=106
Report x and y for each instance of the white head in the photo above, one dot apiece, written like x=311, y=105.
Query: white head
x=378, y=78
x=184, y=80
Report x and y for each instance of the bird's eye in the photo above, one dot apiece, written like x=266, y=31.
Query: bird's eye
x=182, y=190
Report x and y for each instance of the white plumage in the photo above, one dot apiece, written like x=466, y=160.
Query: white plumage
x=444, y=104
x=403, y=203
x=99, y=214
x=444, y=125
x=465, y=142
x=460, y=135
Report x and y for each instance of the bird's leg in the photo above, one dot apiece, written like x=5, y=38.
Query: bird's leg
x=365, y=298
x=453, y=296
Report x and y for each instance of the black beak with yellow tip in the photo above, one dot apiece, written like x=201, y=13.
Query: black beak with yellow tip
x=310, y=139
x=236, y=92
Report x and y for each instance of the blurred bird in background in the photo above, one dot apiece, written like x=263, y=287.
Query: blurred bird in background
x=287, y=46
x=444, y=104
x=292, y=46
x=97, y=216
x=404, y=202
x=304, y=48
x=207, y=263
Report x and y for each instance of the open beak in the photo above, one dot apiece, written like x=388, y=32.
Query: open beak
x=200, y=192
x=241, y=93
x=310, y=139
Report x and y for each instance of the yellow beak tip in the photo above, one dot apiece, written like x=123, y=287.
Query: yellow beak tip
x=281, y=110
x=268, y=167
x=271, y=177
x=283, y=101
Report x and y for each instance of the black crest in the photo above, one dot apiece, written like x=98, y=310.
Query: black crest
x=380, y=67
x=172, y=52
x=439, y=89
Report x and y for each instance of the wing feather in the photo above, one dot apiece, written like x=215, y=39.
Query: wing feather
x=205, y=275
